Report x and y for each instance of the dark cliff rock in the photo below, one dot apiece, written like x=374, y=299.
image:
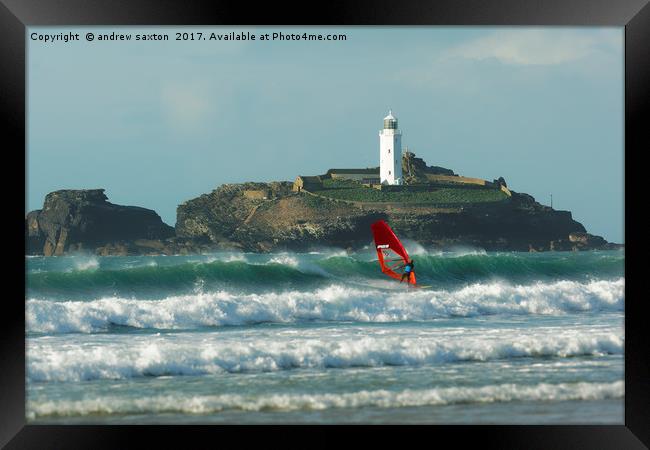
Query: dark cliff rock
x=169, y=246
x=515, y=224
x=285, y=220
x=262, y=217
x=216, y=216
x=415, y=169
x=299, y=221
x=582, y=241
x=73, y=220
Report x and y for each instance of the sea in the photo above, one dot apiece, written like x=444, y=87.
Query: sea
x=323, y=337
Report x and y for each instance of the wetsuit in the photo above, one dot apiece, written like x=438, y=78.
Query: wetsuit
x=408, y=268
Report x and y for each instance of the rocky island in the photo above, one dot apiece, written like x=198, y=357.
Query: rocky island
x=435, y=207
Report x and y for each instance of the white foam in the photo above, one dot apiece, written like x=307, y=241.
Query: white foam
x=285, y=260
x=85, y=263
x=330, y=252
x=176, y=403
x=226, y=257
x=59, y=358
x=459, y=251
x=333, y=303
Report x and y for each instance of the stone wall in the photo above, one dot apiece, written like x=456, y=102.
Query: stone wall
x=457, y=179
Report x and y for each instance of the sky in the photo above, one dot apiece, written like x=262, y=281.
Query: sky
x=156, y=123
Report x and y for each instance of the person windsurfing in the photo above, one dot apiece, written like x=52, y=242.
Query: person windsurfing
x=409, y=268
x=392, y=255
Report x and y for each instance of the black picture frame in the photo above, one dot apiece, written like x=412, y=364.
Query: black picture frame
x=634, y=15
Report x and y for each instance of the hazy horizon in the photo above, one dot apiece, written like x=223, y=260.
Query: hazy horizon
x=158, y=123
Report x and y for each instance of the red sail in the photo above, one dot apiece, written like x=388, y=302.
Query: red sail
x=391, y=252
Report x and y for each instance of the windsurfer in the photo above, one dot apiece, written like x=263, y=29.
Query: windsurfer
x=408, y=269
x=391, y=254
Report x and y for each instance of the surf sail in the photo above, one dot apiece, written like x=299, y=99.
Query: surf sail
x=392, y=254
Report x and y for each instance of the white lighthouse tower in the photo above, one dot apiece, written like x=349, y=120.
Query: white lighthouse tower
x=390, y=152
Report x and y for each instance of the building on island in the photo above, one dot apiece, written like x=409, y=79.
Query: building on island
x=390, y=152
x=368, y=177
x=364, y=176
x=307, y=183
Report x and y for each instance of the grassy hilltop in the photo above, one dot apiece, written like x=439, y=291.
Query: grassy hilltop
x=443, y=195
x=422, y=185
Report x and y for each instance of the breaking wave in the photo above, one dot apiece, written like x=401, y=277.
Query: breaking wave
x=330, y=303
x=381, y=398
x=124, y=356
x=90, y=279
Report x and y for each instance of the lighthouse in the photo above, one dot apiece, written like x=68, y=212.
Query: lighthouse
x=390, y=152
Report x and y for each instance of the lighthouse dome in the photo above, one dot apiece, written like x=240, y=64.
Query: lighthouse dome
x=390, y=121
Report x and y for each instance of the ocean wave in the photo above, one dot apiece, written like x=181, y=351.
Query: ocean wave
x=149, y=279
x=331, y=303
x=206, y=404
x=124, y=356
x=88, y=278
